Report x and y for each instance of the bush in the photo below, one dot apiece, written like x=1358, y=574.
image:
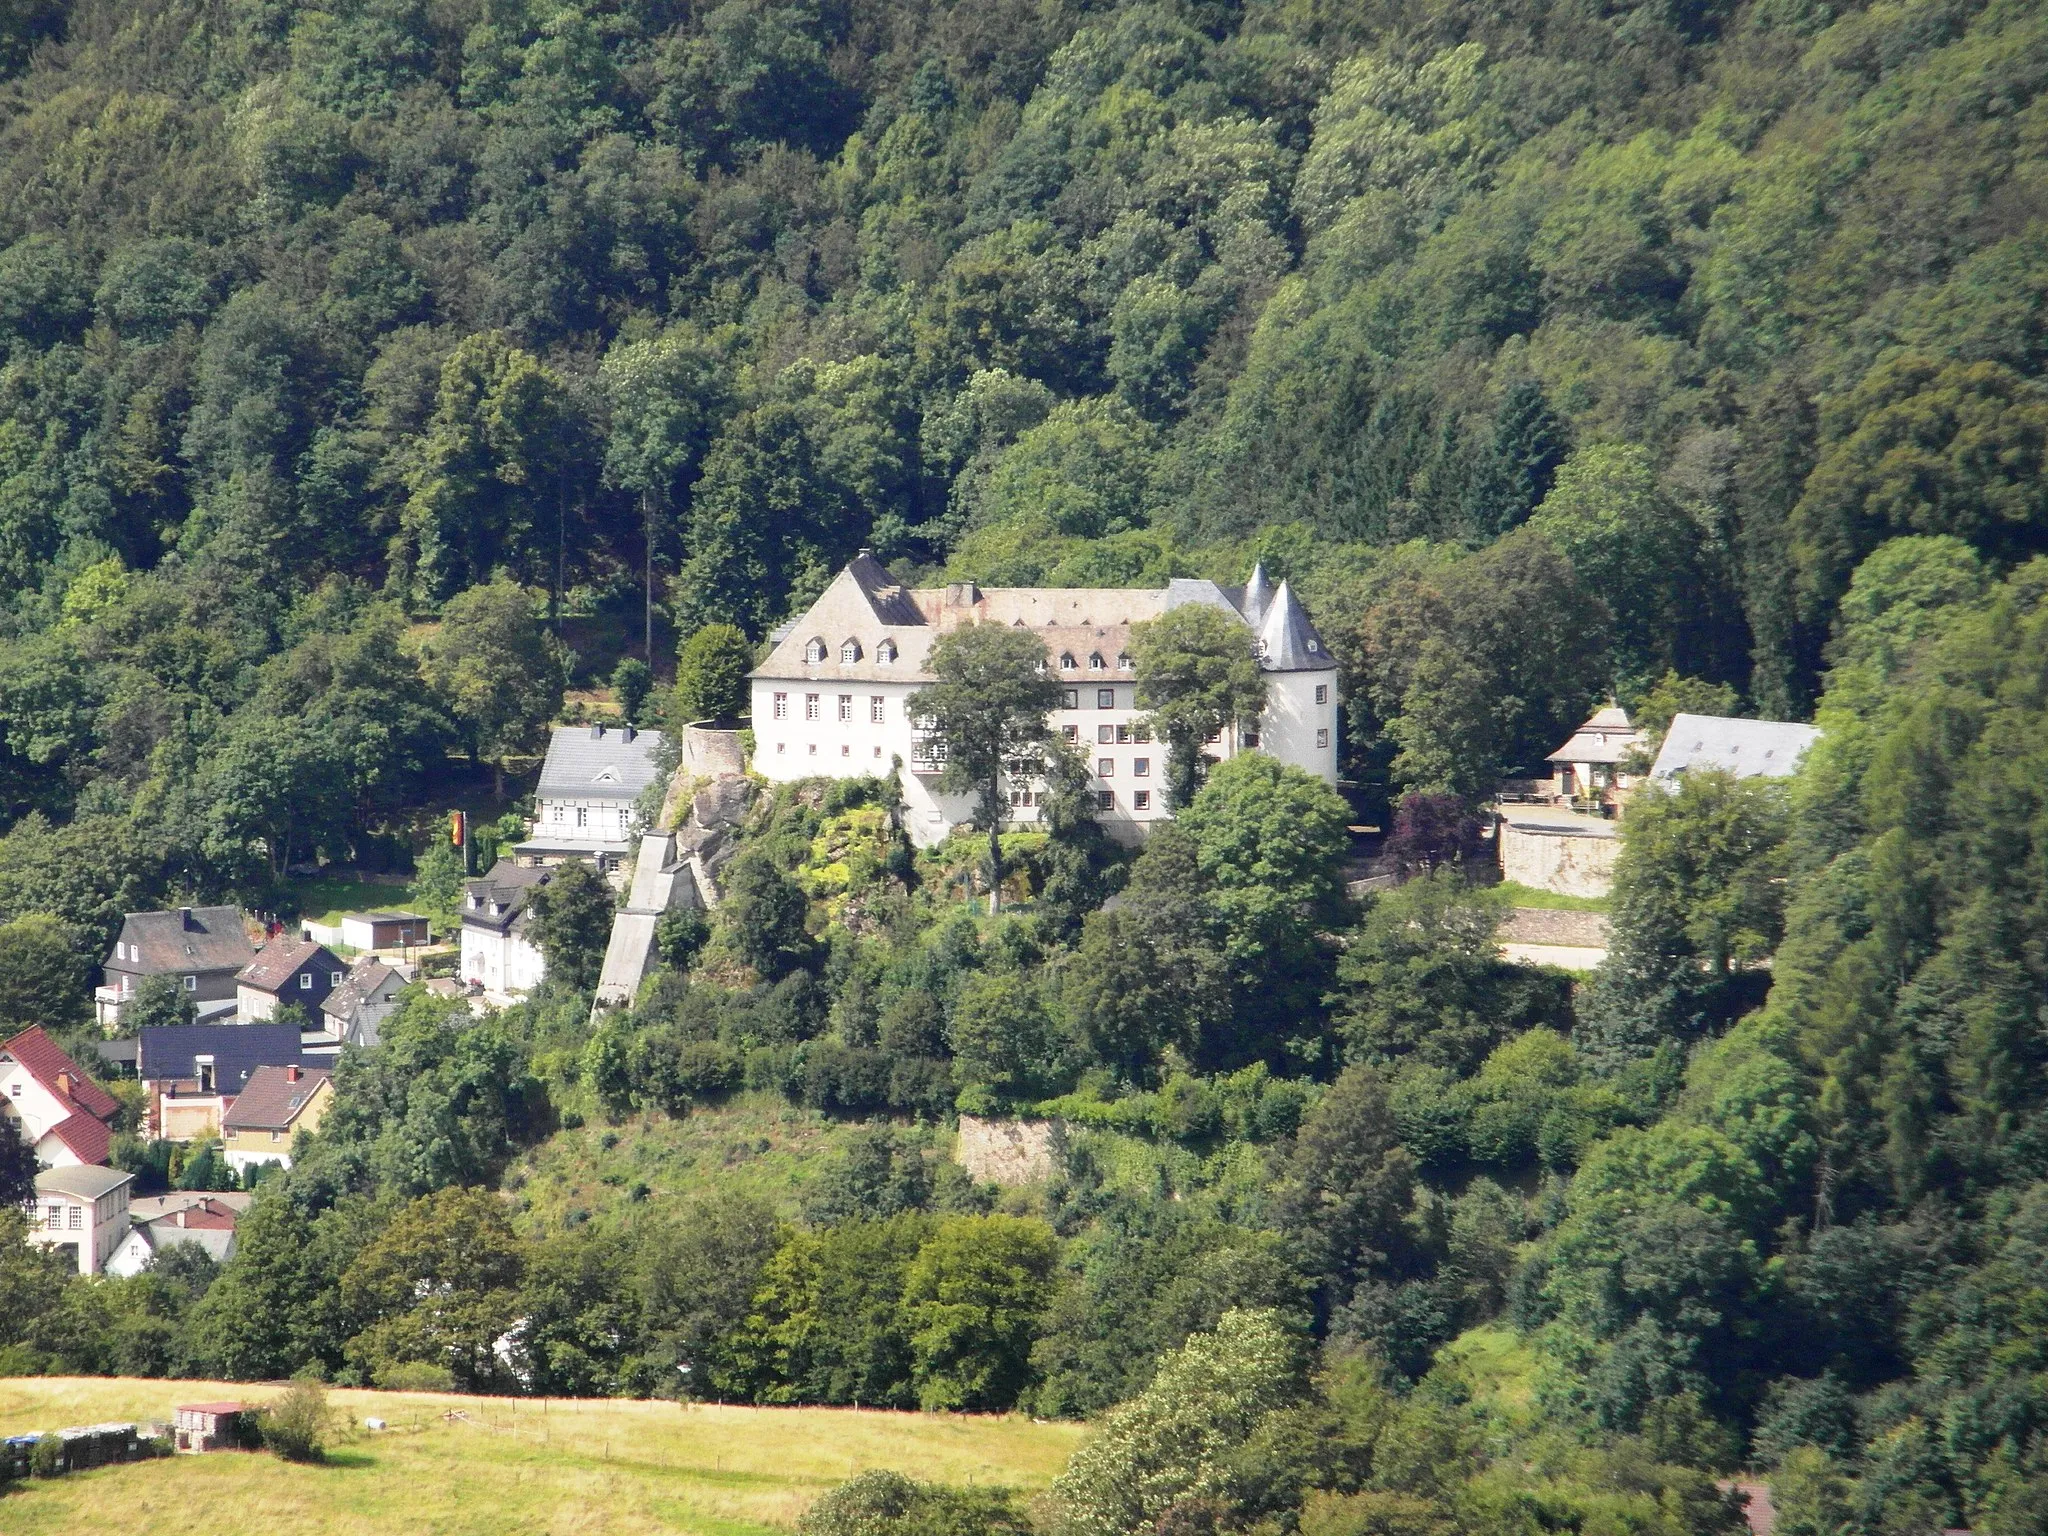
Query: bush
x=297, y=1425
x=890, y=1504
x=47, y=1459
x=415, y=1376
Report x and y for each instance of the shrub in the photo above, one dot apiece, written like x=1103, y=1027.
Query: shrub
x=415, y=1376
x=47, y=1459
x=890, y=1504
x=298, y=1424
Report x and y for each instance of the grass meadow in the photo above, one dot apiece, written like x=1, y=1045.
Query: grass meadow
x=452, y=1466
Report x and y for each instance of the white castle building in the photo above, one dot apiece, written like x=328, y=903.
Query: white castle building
x=830, y=699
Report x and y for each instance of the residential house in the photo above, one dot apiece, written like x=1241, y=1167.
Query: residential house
x=832, y=698
x=498, y=952
x=202, y=946
x=52, y=1104
x=191, y=1074
x=354, y=1012
x=1596, y=769
x=585, y=803
x=160, y=1222
x=273, y=1107
x=384, y=930
x=82, y=1212
x=287, y=971
x=1745, y=748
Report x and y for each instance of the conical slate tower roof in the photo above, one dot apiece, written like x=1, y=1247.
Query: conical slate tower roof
x=1287, y=641
x=1258, y=597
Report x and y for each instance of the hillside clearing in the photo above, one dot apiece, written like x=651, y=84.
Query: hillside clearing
x=590, y=1467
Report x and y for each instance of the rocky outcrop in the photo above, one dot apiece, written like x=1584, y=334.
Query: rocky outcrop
x=1009, y=1152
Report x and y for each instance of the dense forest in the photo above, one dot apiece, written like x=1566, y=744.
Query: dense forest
x=379, y=379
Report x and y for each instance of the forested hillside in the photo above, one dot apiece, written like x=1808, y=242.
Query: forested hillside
x=376, y=374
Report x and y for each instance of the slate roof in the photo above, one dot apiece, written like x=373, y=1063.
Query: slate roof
x=43, y=1060
x=507, y=885
x=1607, y=737
x=81, y=1183
x=280, y=960
x=1287, y=641
x=1746, y=748
x=357, y=987
x=189, y=939
x=238, y=1050
x=271, y=1101
x=1256, y=597
x=598, y=762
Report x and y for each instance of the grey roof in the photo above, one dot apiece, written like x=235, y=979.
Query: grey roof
x=1746, y=748
x=507, y=886
x=170, y=1054
x=598, y=762
x=1607, y=737
x=890, y=599
x=277, y=962
x=359, y=986
x=1287, y=641
x=1256, y=598
x=81, y=1181
x=219, y=1242
x=1182, y=590
x=187, y=940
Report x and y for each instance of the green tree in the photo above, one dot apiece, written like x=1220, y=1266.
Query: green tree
x=711, y=675
x=631, y=683
x=158, y=1001
x=890, y=1504
x=764, y=912
x=1000, y=1035
x=1174, y=1443
x=1670, y=697
x=972, y=1300
x=1197, y=676
x=986, y=708
x=1344, y=1194
x=497, y=672
x=438, y=1286
x=1521, y=462
x=45, y=974
x=572, y=924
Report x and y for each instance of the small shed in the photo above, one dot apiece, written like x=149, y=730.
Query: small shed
x=210, y=1427
x=384, y=930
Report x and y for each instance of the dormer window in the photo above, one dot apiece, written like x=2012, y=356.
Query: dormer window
x=886, y=652
x=1123, y=661
x=849, y=651
x=1096, y=663
x=814, y=652
x=1066, y=661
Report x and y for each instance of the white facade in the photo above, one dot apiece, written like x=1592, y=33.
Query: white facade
x=35, y=1112
x=83, y=1210
x=832, y=700
x=500, y=961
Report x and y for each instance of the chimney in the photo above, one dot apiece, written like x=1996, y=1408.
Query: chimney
x=185, y=918
x=597, y=733
x=628, y=733
x=291, y=1074
x=183, y=1212
x=64, y=1084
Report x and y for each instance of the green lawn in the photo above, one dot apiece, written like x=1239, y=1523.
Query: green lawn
x=758, y=1144
x=505, y=1465
x=1520, y=895
x=326, y=898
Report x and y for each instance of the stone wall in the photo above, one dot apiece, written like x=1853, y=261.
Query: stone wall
x=1566, y=861
x=1009, y=1152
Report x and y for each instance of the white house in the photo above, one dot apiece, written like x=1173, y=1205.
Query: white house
x=51, y=1104
x=83, y=1212
x=830, y=699
x=354, y=1012
x=1594, y=765
x=497, y=953
x=158, y=1222
x=584, y=803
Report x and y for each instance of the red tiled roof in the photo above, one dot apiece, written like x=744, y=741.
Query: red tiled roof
x=36, y=1051
x=207, y=1215
x=215, y=1408
x=87, y=1138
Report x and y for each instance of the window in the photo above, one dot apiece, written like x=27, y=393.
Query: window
x=846, y=709
x=1141, y=767
x=77, y=1218
x=1096, y=663
x=1123, y=735
x=1141, y=733
x=1322, y=736
x=582, y=815
x=277, y=1135
x=334, y=978
x=1070, y=698
x=1105, y=800
x=1123, y=661
x=54, y=1216
x=1105, y=734
x=850, y=651
x=886, y=652
x=1105, y=698
x=812, y=749
x=1248, y=739
x=1105, y=767
x=878, y=751
x=782, y=706
x=845, y=749
x=781, y=746
x=810, y=706
x=814, y=652
x=1322, y=693
x=875, y=712
x=1070, y=732
x=191, y=983
x=1213, y=737
x=305, y=981
x=1066, y=661
x=1142, y=800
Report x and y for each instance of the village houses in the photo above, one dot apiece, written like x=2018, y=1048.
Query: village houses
x=82, y=1213
x=498, y=951
x=48, y=1101
x=274, y=1106
x=287, y=972
x=158, y=1223
x=191, y=1074
x=203, y=947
